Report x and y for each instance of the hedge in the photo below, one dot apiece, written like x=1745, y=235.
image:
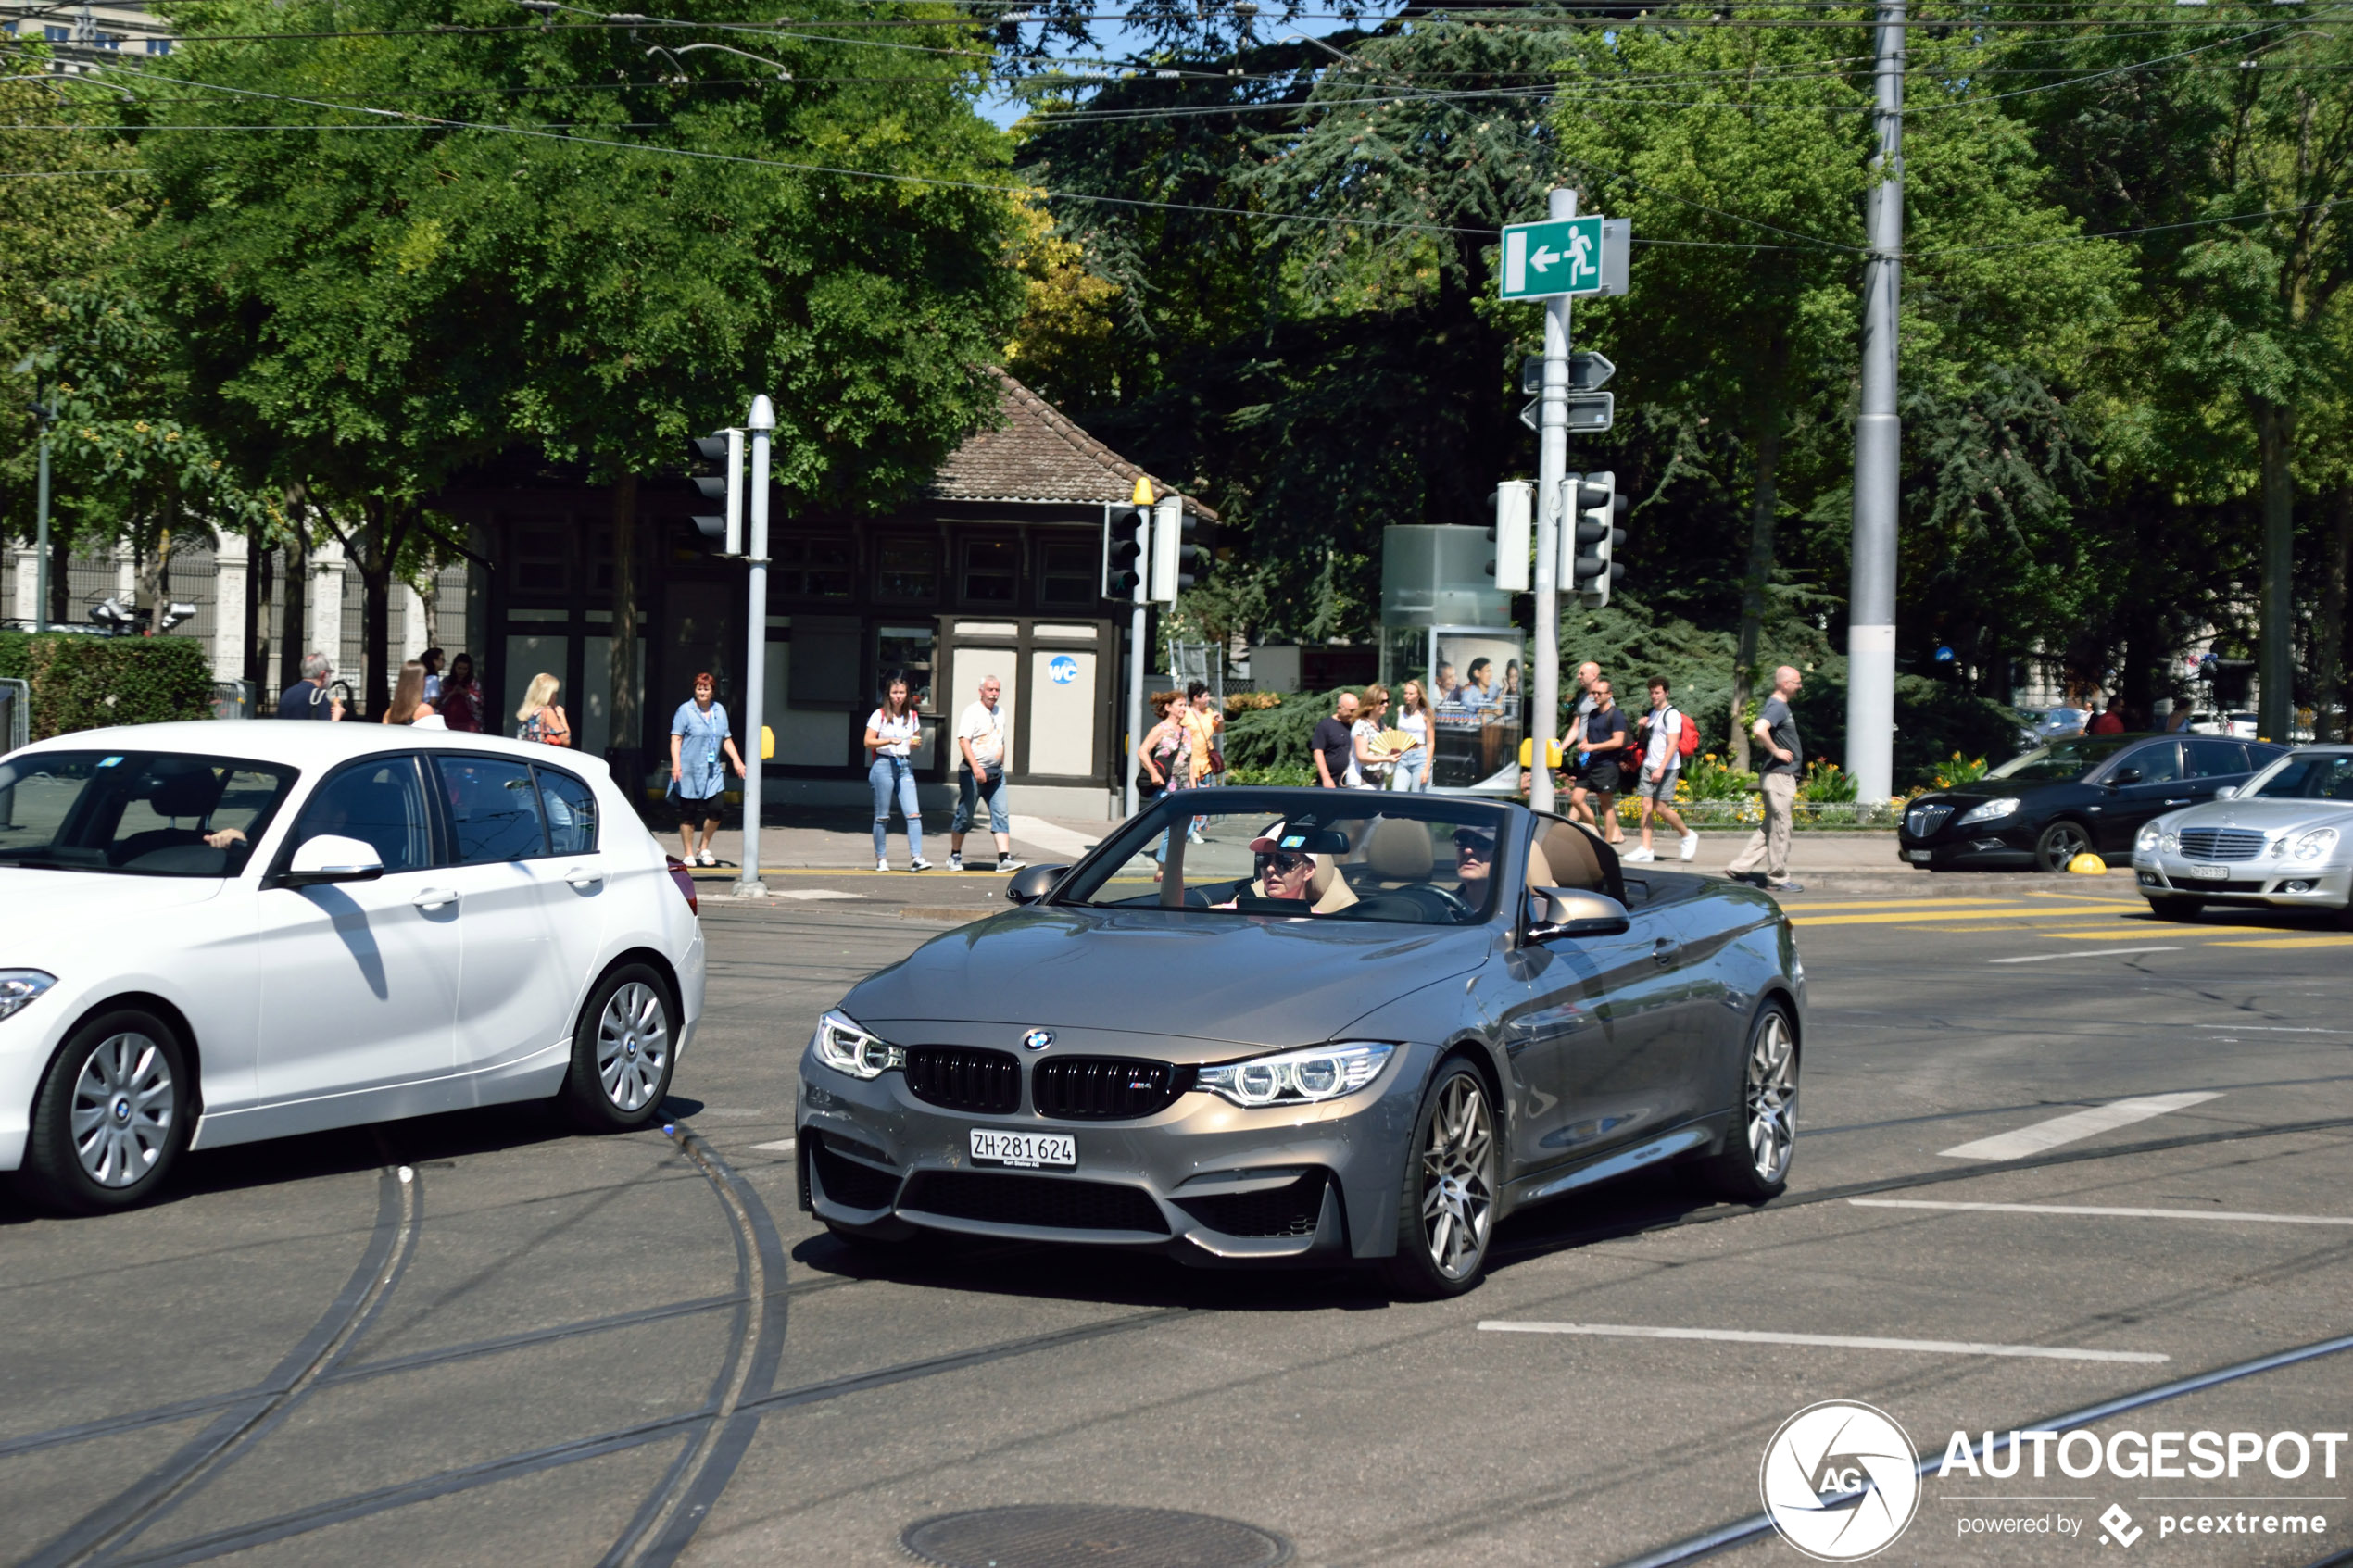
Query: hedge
x=85, y=683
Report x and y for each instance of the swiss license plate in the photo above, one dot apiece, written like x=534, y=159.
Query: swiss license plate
x=1920, y=856
x=2210, y=873
x=1029, y=1150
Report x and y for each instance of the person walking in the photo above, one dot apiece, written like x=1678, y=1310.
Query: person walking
x=1335, y=742
x=460, y=700
x=980, y=775
x=699, y=734
x=1601, y=741
x=1412, y=772
x=307, y=698
x=892, y=730
x=1156, y=770
x=409, y=705
x=540, y=719
x=2109, y=723
x=431, y=660
x=1776, y=728
x=1369, y=761
x=1662, y=766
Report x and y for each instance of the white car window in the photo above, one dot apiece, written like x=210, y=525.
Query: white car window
x=493, y=807
x=378, y=802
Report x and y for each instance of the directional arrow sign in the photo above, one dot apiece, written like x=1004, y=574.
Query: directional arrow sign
x=1592, y=411
x=1589, y=371
x=1560, y=256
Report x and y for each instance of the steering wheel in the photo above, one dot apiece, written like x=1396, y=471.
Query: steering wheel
x=1453, y=904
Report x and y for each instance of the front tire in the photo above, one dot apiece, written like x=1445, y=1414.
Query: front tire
x=2059, y=843
x=1753, y=1166
x=2176, y=908
x=111, y=1115
x=622, y=1052
x=1446, y=1211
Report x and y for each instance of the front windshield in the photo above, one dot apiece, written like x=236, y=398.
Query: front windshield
x=2061, y=760
x=2307, y=775
x=137, y=813
x=1354, y=855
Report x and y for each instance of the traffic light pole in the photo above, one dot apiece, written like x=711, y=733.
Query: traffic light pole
x=763, y=422
x=1136, y=678
x=1552, y=467
x=1871, y=605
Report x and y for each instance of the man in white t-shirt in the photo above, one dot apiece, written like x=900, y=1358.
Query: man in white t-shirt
x=980, y=774
x=1662, y=766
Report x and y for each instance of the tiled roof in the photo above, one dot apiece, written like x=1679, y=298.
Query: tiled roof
x=1037, y=455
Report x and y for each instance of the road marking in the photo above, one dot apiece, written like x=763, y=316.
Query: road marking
x=2075, y=1126
x=782, y=1146
x=1837, y=1341
x=2094, y=953
x=807, y=895
x=2111, y=1213
x=1896, y=904
x=2293, y=941
x=2039, y=911
x=1045, y=835
x=2270, y=1029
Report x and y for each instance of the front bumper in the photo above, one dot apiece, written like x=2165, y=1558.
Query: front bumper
x=1205, y=1181
x=1978, y=847
x=2266, y=883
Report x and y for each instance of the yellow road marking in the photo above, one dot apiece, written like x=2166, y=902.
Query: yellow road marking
x=2290, y=942
x=1914, y=917
x=1902, y=904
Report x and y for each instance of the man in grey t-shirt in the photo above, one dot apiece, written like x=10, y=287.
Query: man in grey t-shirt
x=1783, y=762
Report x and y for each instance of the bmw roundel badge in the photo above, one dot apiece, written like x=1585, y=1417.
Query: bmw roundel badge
x=1038, y=1039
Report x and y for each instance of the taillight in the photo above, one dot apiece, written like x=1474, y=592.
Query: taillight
x=686, y=881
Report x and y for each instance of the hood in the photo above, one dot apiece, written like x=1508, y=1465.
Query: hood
x=44, y=914
x=1141, y=973
x=2273, y=816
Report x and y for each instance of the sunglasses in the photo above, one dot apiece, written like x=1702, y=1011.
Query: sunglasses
x=1280, y=863
x=1475, y=849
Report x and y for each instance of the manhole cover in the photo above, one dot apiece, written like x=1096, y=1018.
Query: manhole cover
x=1078, y=1535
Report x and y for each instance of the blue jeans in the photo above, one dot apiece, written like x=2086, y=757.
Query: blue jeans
x=1406, y=777
x=970, y=792
x=889, y=776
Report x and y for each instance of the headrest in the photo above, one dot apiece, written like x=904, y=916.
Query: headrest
x=190, y=793
x=1329, y=888
x=1398, y=849
x=1570, y=852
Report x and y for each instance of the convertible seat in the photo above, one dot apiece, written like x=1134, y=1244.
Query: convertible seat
x=1329, y=888
x=1568, y=852
x=1398, y=850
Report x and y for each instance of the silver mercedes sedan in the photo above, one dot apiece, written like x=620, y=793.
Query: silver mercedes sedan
x=1264, y=1026
x=2284, y=841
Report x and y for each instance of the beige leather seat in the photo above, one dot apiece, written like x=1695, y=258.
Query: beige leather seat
x=1398, y=851
x=1568, y=854
x=1330, y=889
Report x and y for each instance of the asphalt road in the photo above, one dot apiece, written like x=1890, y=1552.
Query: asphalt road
x=478, y=1340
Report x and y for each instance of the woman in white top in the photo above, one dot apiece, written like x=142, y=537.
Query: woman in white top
x=892, y=733
x=1368, y=762
x=1412, y=772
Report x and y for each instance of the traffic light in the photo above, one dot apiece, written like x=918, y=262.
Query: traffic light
x=1126, y=532
x=1591, y=541
x=1514, y=533
x=1177, y=550
x=718, y=474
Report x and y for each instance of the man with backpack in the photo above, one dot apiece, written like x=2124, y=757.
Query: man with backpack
x=1670, y=737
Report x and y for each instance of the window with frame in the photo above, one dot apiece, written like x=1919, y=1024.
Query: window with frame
x=540, y=559
x=570, y=810
x=493, y=808
x=377, y=802
x=809, y=568
x=992, y=571
x=907, y=569
x=1069, y=572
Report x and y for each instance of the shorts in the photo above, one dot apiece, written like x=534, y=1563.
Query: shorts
x=694, y=812
x=1664, y=790
x=1599, y=776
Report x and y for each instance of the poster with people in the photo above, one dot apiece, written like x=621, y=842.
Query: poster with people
x=1476, y=700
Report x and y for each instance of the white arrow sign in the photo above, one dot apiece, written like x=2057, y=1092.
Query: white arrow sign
x=1543, y=259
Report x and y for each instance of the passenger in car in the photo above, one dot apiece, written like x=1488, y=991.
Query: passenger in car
x=1474, y=859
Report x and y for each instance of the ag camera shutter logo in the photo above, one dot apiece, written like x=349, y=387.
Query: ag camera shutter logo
x=1839, y=1481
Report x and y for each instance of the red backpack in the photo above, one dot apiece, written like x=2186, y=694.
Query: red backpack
x=1687, y=739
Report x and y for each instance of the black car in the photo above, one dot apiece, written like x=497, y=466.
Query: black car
x=2045, y=807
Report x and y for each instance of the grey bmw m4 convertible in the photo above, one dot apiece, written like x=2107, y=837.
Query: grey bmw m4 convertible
x=1287, y=1025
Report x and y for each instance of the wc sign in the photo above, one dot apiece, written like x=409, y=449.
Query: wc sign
x=1062, y=670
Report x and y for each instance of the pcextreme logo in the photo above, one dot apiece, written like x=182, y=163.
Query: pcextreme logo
x=1839, y=1481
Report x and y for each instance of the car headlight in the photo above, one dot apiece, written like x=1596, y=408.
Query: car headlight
x=2146, y=841
x=1298, y=1077
x=2170, y=844
x=2311, y=847
x=844, y=1048
x=1989, y=810
x=18, y=986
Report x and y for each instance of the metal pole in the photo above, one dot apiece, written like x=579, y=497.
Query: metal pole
x=1136, y=661
x=40, y=518
x=1552, y=465
x=762, y=420
x=1870, y=630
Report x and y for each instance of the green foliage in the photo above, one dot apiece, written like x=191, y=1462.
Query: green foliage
x=1826, y=784
x=1279, y=737
x=1708, y=776
x=83, y=682
x=1960, y=769
x=1293, y=775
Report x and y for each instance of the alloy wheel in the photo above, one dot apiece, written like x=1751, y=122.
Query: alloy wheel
x=633, y=1046
x=1772, y=1098
x=124, y=1103
x=1458, y=1177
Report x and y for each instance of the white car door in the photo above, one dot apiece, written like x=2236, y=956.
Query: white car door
x=515, y=1001
x=359, y=980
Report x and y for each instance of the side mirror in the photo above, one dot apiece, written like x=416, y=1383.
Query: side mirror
x=2226, y=792
x=1033, y=883
x=1569, y=911
x=2125, y=776
x=332, y=858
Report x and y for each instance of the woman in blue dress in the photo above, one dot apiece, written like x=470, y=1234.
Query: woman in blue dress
x=698, y=736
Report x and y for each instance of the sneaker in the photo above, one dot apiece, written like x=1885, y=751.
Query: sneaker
x=882, y=865
x=955, y=862
x=1689, y=845
x=1008, y=863
x=1638, y=854
x=1754, y=879
x=919, y=864
x=708, y=859
x=1784, y=885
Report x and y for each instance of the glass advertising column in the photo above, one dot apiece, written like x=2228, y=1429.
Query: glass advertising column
x=1446, y=624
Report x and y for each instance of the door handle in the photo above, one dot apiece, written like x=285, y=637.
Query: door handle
x=434, y=898
x=2183, y=801
x=583, y=876
x=1666, y=949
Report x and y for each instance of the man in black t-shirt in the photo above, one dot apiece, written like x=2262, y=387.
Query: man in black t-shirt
x=1600, y=743
x=1781, y=764
x=1335, y=743
x=307, y=698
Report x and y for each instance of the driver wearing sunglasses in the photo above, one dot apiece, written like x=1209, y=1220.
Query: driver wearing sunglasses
x=1278, y=871
x=1474, y=858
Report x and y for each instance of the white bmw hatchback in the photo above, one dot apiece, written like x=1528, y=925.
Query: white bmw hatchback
x=212, y=933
